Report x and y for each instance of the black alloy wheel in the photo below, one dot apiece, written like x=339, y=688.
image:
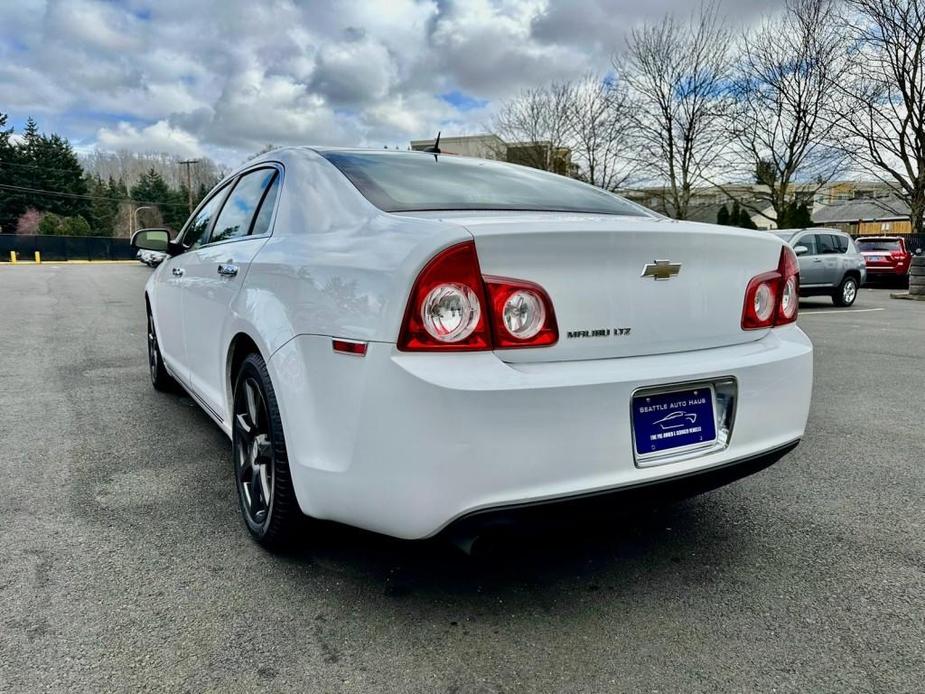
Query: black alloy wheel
x=261, y=468
x=160, y=379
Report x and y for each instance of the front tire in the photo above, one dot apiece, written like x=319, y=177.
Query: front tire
x=847, y=292
x=160, y=379
x=261, y=465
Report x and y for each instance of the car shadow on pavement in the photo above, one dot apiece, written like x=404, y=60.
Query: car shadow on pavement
x=590, y=554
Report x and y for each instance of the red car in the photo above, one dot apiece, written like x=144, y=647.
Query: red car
x=886, y=257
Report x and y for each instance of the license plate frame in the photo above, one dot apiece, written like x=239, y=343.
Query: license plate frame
x=673, y=421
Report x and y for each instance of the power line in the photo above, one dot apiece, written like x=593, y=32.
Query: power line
x=78, y=196
x=35, y=166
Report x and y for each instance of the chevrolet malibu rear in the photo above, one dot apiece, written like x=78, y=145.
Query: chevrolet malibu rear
x=445, y=338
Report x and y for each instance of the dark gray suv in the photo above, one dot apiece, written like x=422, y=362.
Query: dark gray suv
x=830, y=263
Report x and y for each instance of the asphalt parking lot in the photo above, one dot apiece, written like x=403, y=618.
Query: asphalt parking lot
x=125, y=565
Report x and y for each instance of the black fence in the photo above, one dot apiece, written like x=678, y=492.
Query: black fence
x=66, y=247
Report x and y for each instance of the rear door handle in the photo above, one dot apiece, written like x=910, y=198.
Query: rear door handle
x=227, y=270
x=177, y=271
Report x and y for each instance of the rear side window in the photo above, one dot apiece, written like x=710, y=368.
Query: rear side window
x=841, y=243
x=826, y=244
x=240, y=208
x=265, y=213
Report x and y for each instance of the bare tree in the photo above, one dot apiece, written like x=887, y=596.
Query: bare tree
x=130, y=166
x=881, y=113
x=782, y=94
x=678, y=74
x=599, y=131
x=538, y=119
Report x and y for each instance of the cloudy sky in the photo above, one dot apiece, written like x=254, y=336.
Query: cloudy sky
x=225, y=78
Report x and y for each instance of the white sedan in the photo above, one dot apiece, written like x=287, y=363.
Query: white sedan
x=403, y=342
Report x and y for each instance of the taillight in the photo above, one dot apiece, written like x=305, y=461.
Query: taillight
x=448, y=309
x=788, y=304
x=773, y=298
x=522, y=314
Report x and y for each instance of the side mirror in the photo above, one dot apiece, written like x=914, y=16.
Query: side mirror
x=801, y=250
x=152, y=240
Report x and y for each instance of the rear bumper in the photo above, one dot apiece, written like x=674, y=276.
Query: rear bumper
x=642, y=495
x=405, y=444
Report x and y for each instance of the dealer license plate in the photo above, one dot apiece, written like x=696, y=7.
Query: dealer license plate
x=675, y=420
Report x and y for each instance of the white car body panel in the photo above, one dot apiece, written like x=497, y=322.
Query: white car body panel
x=403, y=443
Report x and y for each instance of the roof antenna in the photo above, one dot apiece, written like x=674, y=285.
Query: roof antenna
x=435, y=149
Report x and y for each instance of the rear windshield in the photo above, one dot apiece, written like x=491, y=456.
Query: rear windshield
x=879, y=245
x=412, y=181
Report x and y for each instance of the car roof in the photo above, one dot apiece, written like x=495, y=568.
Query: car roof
x=821, y=230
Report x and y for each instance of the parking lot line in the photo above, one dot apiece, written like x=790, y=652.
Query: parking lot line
x=841, y=311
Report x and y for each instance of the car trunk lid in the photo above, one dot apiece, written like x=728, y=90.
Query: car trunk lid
x=600, y=273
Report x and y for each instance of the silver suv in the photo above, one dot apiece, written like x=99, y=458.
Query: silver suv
x=830, y=263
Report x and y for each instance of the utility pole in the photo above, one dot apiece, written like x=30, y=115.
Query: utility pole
x=189, y=181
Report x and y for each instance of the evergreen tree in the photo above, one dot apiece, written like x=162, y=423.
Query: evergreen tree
x=736, y=214
x=745, y=220
x=10, y=203
x=172, y=204
x=104, y=208
x=30, y=133
x=175, y=215
x=54, y=166
x=722, y=217
x=801, y=216
x=151, y=189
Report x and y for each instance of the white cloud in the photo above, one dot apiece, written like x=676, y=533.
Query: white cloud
x=228, y=76
x=158, y=137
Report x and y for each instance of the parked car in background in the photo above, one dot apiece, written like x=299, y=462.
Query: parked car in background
x=151, y=258
x=403, y=341
x=830, y=263
x=887, y=257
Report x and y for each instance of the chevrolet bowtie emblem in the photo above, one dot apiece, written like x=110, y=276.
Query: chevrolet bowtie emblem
x=661, y=270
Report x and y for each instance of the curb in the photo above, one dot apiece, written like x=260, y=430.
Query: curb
x=907, y=296
x=72, y=262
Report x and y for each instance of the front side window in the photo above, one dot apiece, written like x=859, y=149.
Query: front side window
x=415, y=181
x=198, y=227
x=239, y=210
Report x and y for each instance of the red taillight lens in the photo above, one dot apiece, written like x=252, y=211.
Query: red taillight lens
x=788, y=302
x=522, y=314
x=772, y=298
x=448, y=309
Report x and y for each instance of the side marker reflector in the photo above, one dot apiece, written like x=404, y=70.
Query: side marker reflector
x=347, y=347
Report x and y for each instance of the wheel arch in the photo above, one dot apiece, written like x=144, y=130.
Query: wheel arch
x=240, y=346
x=855, y=274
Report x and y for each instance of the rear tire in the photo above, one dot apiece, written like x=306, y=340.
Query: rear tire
x=847, y=292
x=261, y=465
x=160, y=379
